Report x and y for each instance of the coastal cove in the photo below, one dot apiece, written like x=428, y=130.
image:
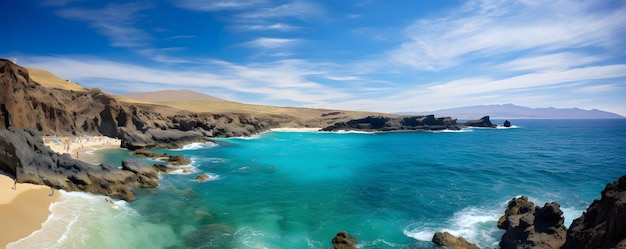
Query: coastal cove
x=389, y=190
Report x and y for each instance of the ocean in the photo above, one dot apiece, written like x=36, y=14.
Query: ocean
x=389, y=190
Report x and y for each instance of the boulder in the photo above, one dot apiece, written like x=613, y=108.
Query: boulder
x=343, y=241
x=603, y=225
x=448, y=240
x=528, y=226
x=202, y=177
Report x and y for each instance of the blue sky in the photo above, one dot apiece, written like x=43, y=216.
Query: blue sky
x=389, y=56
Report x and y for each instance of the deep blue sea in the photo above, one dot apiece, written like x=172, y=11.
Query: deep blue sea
x=389, y=190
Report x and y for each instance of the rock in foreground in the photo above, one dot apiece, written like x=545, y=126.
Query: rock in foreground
x=448, y=240
x=528, y=226
x=343, y=241
x=603, y=225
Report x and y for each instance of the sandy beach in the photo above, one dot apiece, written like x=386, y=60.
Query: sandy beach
x=24, y=210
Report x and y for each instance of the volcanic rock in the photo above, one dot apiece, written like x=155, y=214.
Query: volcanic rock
x=403, y=123
x=506, y=123
x=448, y=240
x=24, y=156
x=343, y=241
x=529, y=226
x=603, y=225
x=482, y=122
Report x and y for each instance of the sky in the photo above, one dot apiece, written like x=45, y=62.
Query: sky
x=372, y=55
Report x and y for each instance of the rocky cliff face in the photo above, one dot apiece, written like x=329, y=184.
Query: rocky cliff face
x=26, y=157
x=603, y=225
x=26, y=104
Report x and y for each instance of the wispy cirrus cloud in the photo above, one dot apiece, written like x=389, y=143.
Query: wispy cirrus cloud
x=115, y=21
x=296, y=9
x=488, y=29
x=282, y=80
x=217, y=5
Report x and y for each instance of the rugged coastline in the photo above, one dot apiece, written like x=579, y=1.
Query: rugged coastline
x=143, y=126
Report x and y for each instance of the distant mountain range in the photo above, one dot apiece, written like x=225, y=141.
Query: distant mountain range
x=511, y=111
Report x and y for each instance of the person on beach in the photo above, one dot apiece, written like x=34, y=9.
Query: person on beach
x=51, y=192
x=14, y=184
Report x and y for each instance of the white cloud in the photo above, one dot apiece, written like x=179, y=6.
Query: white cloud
x=487, y=29
x=282, y=27
x=115, y=21
x=296, y=9
x=284, y=80
x=217, y=5
x=271, y=43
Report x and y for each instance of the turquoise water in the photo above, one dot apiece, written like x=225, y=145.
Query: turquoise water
x=391, y=190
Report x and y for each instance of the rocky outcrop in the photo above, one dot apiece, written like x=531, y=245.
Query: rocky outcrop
x=403, y=123
x=450, y=241
x=171, y=159
x=603, y=225
x=529, y=226
x=506, y=123
x=147, y=176
x=24, y=156
x=343, y=241
x=482, y=122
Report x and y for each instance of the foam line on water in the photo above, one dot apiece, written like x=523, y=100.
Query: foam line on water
x=476, y=225
x=197, y=146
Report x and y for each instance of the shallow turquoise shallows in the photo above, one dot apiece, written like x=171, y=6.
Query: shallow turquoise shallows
x=389, y=190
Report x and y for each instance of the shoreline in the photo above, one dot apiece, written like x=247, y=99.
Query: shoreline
x=24, y=210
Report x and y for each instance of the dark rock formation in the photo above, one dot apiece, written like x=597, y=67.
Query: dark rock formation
x=506, y=123
x=343, y=241
x=448, y=240
x=24, y=156
x=147, y=176
x=603, y=225
x=171, y=159
x=482, y=122
x=403, y=123
x=163, y=168
x=529, y=226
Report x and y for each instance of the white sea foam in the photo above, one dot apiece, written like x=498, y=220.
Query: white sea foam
x=82, y=220
x=476, y=225
x=353, y=132
x=211, y=177
x=197, y=146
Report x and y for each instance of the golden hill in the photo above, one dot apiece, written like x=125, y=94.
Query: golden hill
x=48, y=79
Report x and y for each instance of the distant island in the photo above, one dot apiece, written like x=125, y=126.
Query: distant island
x=511, y=111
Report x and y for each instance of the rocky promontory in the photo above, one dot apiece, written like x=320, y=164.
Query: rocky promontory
x=25, y=156
x=530, y=226
x=403, y=123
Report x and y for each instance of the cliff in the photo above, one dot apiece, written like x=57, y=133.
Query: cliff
x=603, y=225
x=25, y=103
